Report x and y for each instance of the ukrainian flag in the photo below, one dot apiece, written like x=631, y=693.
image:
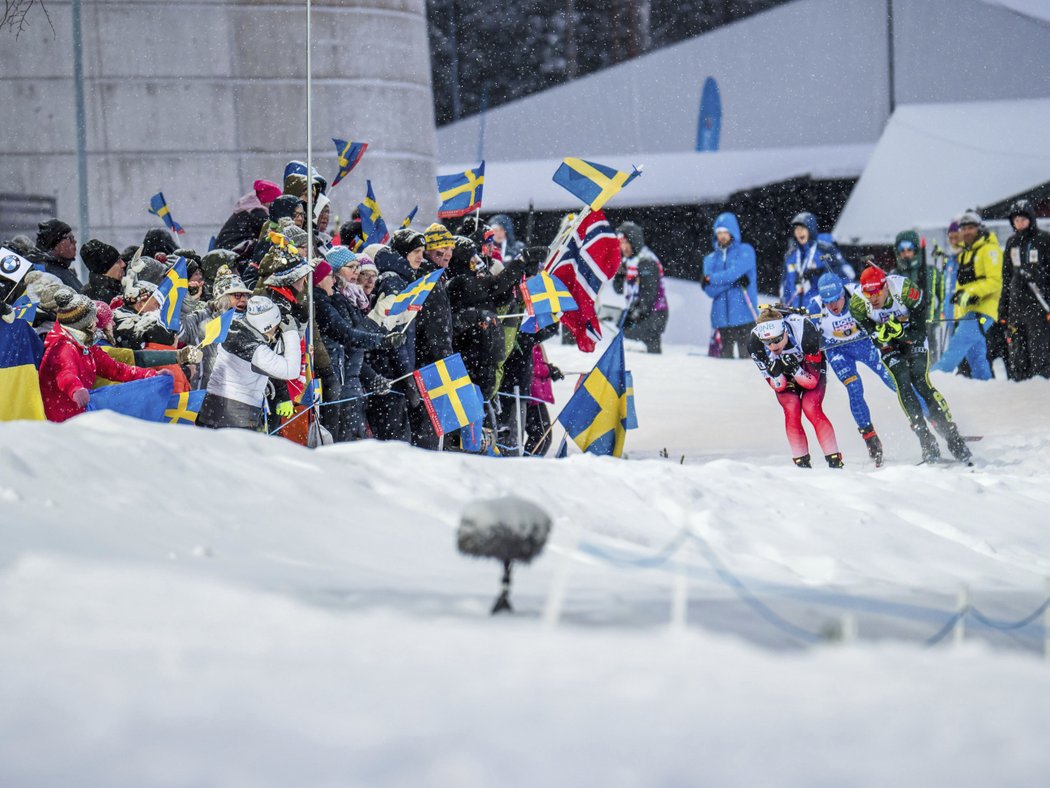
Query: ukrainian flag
x=171, y=293
x=183, y=408
x=20, y=354
x=372, y=225
x=217, y=329
x=158, y=206
x=412, y=297
x=349, y=154
x=593, y=183
x=460, y=192
x=545, y=294
x=451, y=398
x=596, y=416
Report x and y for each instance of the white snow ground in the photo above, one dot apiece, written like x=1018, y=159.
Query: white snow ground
x=180, y=607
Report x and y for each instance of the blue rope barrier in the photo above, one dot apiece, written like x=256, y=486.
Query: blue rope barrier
x=664, y=555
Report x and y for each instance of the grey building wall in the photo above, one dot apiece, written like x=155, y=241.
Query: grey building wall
x=808, y=73
x=197, y=99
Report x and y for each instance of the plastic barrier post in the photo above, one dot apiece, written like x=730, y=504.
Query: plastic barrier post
x=963, y=602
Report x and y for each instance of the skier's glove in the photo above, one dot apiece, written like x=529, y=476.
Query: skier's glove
x=888, y=331
x=285, y=409
x=791, y=364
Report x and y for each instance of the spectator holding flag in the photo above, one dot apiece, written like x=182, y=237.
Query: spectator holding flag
x=72, y=360
x=263, y=345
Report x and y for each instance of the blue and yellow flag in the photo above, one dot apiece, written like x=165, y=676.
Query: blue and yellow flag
x=183, y=408
x=534, y=323
x=372, y=225
x=460, y=192
x=593, y=183
x=632, y=415
x=412, y=297
x=349, y=154
x=410, y=217
x=217, y=329
x=21, y=352
x=451, y=398
x=171, y=293
x=143, y=399
x=24, y=309
x=545, y=294
x=596, y=415
x=158, y=206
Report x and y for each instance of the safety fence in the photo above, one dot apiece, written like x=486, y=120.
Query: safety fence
x=669, y=556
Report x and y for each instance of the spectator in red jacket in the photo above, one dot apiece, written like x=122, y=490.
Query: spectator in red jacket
x=72, y=360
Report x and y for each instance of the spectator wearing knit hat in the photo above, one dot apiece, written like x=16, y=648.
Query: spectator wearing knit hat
x=157, y=241
x=106, y=269
x=56, y=250
x=72, y=360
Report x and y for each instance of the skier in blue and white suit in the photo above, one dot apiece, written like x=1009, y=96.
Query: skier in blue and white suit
x=809, y=257
x=846, y=344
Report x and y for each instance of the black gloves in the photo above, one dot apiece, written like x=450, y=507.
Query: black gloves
x=393, y=340
x=791, y=364
x=743, y=281
x=379, y=385
x=556, y=374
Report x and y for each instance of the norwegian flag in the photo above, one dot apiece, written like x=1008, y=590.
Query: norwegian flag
x=589, y=259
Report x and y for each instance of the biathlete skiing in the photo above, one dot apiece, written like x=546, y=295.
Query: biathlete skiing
x=846, y=344
x=787, y=351
x=892, y=310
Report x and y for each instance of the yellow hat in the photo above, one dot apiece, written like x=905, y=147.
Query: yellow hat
x=438, y=237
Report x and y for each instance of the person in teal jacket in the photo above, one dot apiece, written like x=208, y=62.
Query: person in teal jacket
x=730, y=280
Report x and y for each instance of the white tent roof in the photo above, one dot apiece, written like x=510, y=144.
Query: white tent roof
x=668, y=178
x=936, y=160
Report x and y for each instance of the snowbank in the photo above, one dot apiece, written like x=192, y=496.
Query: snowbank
x=184, y=607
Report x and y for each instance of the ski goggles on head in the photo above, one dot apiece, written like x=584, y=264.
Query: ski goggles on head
x=905, y=246
x=770, y=331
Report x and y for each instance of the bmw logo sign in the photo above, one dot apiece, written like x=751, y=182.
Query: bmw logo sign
x=10, y=264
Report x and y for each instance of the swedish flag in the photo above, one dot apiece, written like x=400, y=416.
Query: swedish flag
x=217, y=329
x=593, y=183
x=410, y=217
x=545, y=294
x=632, y=415
x=24, y=309
x=158, y=206
x=183, y=408
x=596, y=416
x=171, y=293
x=412, y=297
x=451, y=398
x=460, y=192
x=372, y=224
x=349, y=154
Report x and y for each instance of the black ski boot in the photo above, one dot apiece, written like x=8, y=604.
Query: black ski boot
x=803, y=461
x=834, y=460
x=957, y=446
x=871, y=440
x=931, y=452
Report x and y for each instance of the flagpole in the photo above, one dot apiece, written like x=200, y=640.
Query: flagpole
x=310, y=205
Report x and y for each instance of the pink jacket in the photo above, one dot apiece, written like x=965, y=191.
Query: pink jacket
x=541, y=376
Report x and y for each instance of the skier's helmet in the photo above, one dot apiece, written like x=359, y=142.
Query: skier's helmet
x=872, y=280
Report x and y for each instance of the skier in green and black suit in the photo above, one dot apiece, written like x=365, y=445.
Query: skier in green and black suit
x=893, y=311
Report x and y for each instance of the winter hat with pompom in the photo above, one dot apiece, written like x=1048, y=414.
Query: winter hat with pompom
x=338, y=256
x=74, y=310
